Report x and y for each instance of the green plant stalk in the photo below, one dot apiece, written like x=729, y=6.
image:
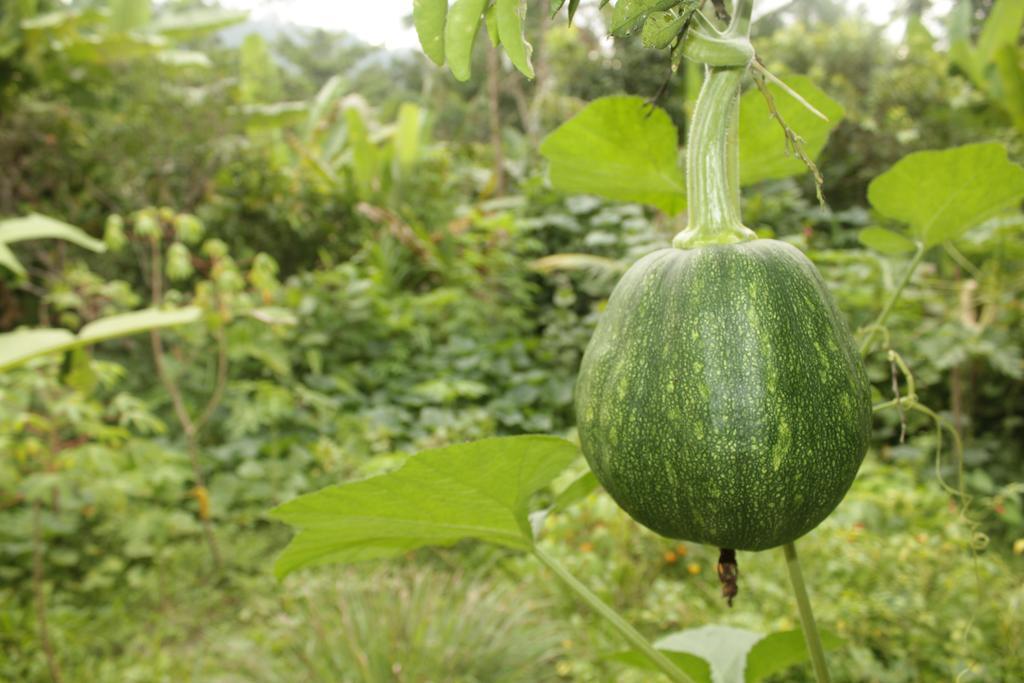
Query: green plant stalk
x=807, y=623
x=712, y=152
x=634, y=637
x=891, y=303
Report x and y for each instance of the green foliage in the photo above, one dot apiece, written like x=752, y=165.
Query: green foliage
x=429, y=17
x=511, y=15
x=449, y=34
x=893, y=537
x=460, y=30
x=374, y=312
x=943, y=194
x=34, y=227
x=620, y=148
x=732, y=655
x=624, y=149
x=259, y=78
x=629, y=13
x=24, y=345
x=993, y=62
x=478, y=490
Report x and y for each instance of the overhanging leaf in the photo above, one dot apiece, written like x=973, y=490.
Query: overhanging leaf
x=23, y=345
x=37, y=227
x=621, y=148
x=763, y=153
x=943, y=194
x=474, y=490
x=10, y=261
x=127, y=324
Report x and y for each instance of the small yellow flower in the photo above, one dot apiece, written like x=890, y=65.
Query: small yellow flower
x=1018, y=546
x=693, y=568
x=670, y=557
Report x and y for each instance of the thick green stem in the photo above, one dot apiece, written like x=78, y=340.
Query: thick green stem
x=810, y=628
x=712, y=151
x=712, y=164
x=634, y=637
x=887, y=310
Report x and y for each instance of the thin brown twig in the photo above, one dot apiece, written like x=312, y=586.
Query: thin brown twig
x=39, y=590
x=794, y=143
x=899, y=404
x=220, y=383
x=188, y=426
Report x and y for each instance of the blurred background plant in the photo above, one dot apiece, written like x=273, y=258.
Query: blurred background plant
x=383, y=267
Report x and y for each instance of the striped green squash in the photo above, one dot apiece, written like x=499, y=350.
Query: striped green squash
x=722, y=399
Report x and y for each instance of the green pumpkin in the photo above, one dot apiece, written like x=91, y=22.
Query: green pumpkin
x=722, y=399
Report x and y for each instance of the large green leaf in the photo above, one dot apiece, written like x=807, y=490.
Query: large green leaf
x=724, y=647
x=943, y=194
x=474, y=490
x=732, y=655
x=779, y=651
x=23, y=345
x=621, y=148
x=763, y=152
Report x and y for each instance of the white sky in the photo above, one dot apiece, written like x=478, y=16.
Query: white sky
x=379, y=22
